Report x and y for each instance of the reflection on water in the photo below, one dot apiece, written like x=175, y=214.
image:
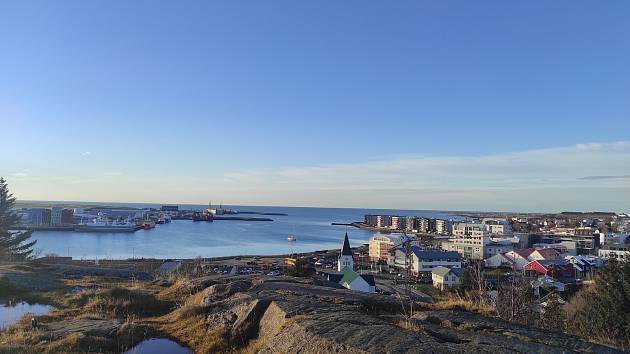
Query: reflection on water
x=11, y=312
x=158, y=346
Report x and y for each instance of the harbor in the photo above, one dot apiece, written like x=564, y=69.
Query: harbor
x=107, y=219
x=183, y=238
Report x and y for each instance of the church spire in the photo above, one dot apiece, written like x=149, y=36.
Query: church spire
x=346, y=250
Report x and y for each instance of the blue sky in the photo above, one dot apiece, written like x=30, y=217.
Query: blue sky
x=312, y=103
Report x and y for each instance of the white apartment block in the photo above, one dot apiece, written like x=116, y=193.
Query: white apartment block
x=470, y=229
x=498, y=227
x=471, y=247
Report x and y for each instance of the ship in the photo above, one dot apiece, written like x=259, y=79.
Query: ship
x=147, y=224
x=197, y=216
x=102, y=224
x=291, y=238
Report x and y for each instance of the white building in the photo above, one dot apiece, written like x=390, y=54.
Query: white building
x=346, y=275
x=618, y=251
x=518, y=258
x=424, y=261
x=498, y=260
x=469, y=246
x=380, y=245
x=499, y=227
x=56, y=214
x=441, y=227
x=470, y=229
x=444, y=278
x=345, y=258
x=409, y=224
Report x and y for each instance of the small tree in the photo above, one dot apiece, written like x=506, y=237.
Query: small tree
x=474, y=282
x=14, y=245
x=601, y=312
x=515, y=301
x=553, y=315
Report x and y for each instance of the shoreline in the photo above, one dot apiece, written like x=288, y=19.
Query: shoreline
x=259, y=257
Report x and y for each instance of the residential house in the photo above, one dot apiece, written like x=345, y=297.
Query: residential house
x=498, y=260
x=558, y=269
x=521, y=257
x=445, y=278
x=424, y=261
x=584, y=266
x=544, y=253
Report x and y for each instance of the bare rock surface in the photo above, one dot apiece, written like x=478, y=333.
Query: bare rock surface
x=293, y=316
x=93, y=327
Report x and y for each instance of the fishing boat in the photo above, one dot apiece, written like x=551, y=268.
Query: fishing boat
x=291, y=238
x=197, y=216
x=102, y=224
x=147, y=224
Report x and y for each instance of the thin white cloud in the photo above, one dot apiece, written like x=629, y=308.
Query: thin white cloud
x=532, y=180
x=545, y=167
x=20, y=174
x=112, y=174
x=86, y=153
x=603, y=178
x=543, y=179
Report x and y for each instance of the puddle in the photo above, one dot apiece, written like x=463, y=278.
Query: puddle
x=11, y=312
x=158, y=346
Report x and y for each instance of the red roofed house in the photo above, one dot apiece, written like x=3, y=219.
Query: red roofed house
x=558, y=269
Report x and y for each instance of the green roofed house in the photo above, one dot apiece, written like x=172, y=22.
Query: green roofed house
x=346, y=276
x=444, y=278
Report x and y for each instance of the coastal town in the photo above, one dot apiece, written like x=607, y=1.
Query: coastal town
x=347, y=177
x=411, y=268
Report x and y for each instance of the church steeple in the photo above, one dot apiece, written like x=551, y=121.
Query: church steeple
x=345, y=258
x=346, y=250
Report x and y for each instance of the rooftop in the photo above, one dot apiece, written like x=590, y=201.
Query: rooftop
x=434, y=254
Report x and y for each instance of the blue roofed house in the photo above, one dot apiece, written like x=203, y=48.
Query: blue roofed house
x=424, y=261
x=346, y=276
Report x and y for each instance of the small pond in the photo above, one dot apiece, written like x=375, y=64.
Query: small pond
x=158, y=346
x=12, y=311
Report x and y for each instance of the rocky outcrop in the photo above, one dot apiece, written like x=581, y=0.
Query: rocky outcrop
x=289, y=316
x=86, y=326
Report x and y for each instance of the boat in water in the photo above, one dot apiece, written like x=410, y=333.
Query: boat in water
x=197, y=216
x=147, y=224
x=291, y=238
x=102, y=224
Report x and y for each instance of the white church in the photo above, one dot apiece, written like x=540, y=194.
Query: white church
x=346, y=276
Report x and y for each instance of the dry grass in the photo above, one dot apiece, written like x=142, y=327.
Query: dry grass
x=120, y=303
x=412, y=326
x=194, y=332
x=459, y=303
x=23, y=339
x=291, y=320
x=254, y=346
